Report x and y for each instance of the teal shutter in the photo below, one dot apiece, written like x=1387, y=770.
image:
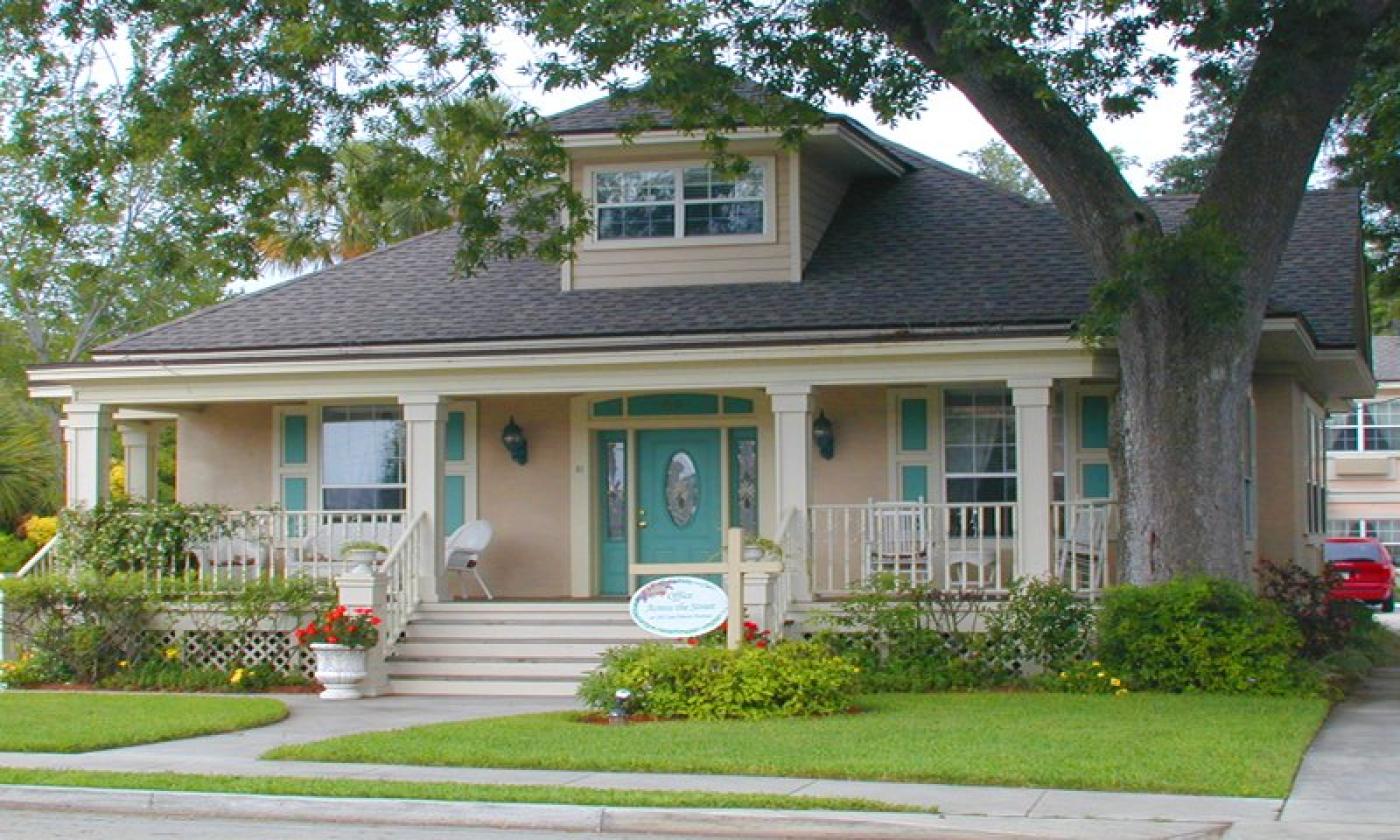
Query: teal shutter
x=1093, y=423
x=454, y=503
x=294, y=439
x=913, y=425
x=455, y=447
x=913, y=483
x=1095, y=482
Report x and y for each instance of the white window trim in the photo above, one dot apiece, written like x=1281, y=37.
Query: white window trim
x=322, y=486
x=1357, y=423
x=680, y=240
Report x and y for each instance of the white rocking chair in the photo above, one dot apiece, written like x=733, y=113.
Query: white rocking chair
x=464, y=548
x=1084, y=550
x=897, y=540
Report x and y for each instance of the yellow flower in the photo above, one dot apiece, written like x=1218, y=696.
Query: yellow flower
x=171, y=654
x=1064, y=676
x=1102, y=675
x=1115, y=682
x=237, y=677
x=122, y=664
x=1120, y=692
x=1094, y=664
x=26, y=656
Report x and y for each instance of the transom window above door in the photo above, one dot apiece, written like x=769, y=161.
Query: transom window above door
x=672, y=203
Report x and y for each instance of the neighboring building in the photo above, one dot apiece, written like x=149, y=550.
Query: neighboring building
x=668, y=382
x=1363, y=451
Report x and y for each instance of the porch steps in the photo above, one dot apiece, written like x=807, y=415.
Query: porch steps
x=507, y=648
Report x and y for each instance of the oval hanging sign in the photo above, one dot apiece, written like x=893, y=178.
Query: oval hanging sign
x=679, y=607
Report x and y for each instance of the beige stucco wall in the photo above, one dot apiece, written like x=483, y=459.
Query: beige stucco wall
x=1281, y=435
x=224, y=455
x=1365, y=485
x=527, y=506
x=860, y=469
x=688, y=264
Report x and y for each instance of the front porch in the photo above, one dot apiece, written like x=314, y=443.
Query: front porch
x=961, y=485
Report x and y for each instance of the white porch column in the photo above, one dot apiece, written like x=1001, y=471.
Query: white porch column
x=88, y=432
x=1034, y=482
x=792, y=448
x=424, y=421
x=140, y=441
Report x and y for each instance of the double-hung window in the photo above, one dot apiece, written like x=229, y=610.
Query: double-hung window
x=1366, y=427
x=979, y=458
x=678, y=202
x=362, y=458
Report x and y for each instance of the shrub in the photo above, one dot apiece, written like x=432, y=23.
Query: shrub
x=1326, y=624
x=1201, y=634
x=908, y=637
x=708, y=683
x=1084, y=678
x=81, y=627
x=39, y=529
x=119, y=535
x=157, y=673
x=14, y=552
x=1043, y=624
x=753, y=636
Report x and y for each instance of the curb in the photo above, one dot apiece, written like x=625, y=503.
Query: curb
x=568, y=818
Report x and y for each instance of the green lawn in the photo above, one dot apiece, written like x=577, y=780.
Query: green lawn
x=1240, y=746
x=445, y=791
x=72, y=721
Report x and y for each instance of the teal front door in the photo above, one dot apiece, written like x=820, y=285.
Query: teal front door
x=679, y=495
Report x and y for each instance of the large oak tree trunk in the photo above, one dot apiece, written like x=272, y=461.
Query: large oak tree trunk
x=1180, y=444
x=1185, y=374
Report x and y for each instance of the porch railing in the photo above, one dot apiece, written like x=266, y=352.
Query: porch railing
x=401, y=572
x=792, y=540
x=256, y=546
x=968, y=547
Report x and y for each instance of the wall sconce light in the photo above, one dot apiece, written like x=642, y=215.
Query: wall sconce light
x=514, y=439
x=824, y=436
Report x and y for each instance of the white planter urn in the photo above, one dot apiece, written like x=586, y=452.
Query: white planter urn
x=361, y=560
x=340, y=669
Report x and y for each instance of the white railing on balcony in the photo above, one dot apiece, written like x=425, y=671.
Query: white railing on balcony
x=1084, y=548
x=965, y=547
x=401, y=572
x=256, y=546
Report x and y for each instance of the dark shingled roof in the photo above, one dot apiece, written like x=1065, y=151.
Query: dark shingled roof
x=936, y=248
x=1385, y=357
x=609, y=114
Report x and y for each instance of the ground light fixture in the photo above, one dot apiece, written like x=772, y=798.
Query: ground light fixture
x=824, y=436
x=618, y=715
x=513, y=437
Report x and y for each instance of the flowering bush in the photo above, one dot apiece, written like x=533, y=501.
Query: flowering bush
x=358, y=629
x=1085, y=678
x=39, y=529
x=719, y=637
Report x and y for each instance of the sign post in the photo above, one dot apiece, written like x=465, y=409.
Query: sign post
x=652, y=611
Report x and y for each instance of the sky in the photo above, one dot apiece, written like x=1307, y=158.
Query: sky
x=948, y=126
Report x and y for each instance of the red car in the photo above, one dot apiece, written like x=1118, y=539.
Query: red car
x=1364, y=570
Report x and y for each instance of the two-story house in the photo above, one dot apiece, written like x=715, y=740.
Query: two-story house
x=1363, y=448
x=851, y=349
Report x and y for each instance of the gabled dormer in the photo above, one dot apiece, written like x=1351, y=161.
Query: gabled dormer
x=663, y=216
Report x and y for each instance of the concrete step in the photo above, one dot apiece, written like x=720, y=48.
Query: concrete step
x=573, y=631
x=501, y=649
x=483, y=687
x=477, y=668
x=525, y=620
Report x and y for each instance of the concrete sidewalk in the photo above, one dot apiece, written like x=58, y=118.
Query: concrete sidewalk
x=1347, y=786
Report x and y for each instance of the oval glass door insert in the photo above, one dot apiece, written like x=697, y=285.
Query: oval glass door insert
x=682, y=489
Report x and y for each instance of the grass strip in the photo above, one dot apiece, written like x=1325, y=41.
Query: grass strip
x=438, y=791
x=76, y=721
x=1200, y=744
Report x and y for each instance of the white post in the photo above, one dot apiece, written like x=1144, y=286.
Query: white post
x=1034, y=481
x=366, y=589
x=792, y=435
x=424, y=421
x=88, y=428
x=140, y=441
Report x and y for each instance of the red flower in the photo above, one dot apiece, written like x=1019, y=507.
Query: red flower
x=374, y=621
x=692, y=641
x=335, y=640
x=363, y=611
x=749, y=625
x=760, y=644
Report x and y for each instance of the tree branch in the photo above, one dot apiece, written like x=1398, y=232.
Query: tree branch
x=1300, y=78
x=1014, y=96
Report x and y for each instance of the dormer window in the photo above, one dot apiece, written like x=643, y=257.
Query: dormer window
x=683, y=203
